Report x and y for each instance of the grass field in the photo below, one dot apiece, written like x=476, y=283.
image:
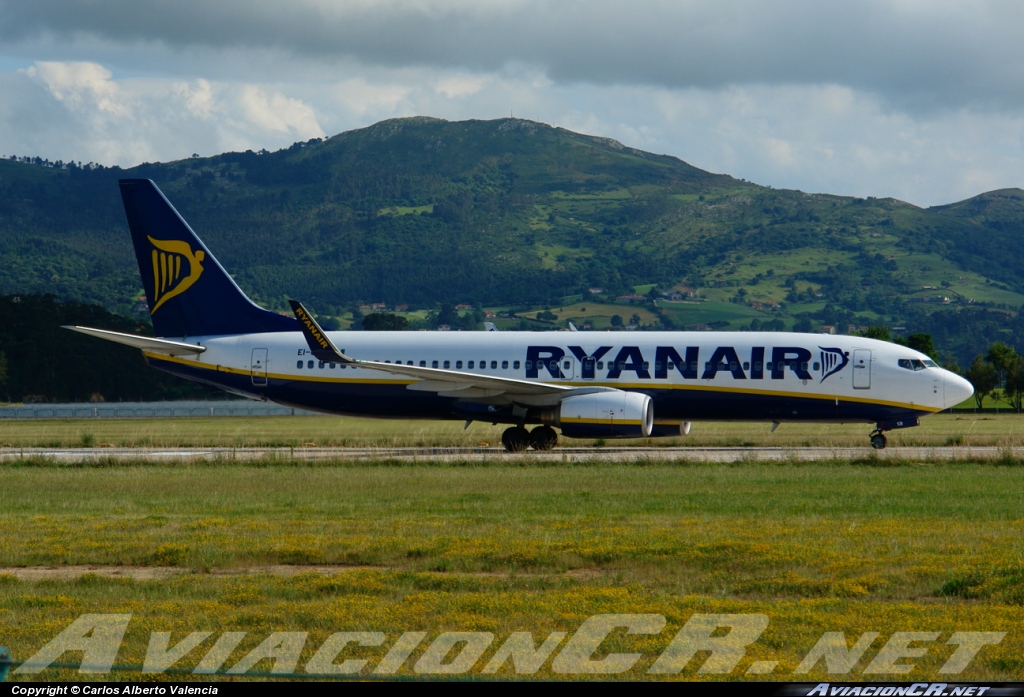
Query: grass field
x=964, y=429
x=816, y=548
x=933, y=548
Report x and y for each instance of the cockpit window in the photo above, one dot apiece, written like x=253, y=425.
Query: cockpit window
x=915, y=364
x=930, y=363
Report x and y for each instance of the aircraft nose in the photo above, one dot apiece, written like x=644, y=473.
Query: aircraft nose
x=957, y=389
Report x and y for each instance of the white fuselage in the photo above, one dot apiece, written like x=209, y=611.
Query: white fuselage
x=690, y=376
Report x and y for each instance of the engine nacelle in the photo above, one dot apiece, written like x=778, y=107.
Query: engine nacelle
x=607, y=415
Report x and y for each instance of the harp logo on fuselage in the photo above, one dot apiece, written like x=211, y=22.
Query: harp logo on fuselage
x=176, y=267
x=832, y=361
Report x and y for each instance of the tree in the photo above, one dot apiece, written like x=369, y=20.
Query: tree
x=1010, y=367
x=922, y=343
x=876, y=332
x=384, y=321
x=985, y=378
x=616, y=321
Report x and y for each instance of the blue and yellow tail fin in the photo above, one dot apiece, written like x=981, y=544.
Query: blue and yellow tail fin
x=188, y=291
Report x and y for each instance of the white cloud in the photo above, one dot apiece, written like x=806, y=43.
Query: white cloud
x=274, y=112
x=81, y=86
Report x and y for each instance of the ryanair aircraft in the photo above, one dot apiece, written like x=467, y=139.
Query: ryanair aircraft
x=587, y=384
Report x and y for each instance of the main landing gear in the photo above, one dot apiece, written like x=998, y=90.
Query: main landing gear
x=878, y=441
x=517, y=439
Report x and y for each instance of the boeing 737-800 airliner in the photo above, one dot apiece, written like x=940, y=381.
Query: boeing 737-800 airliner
x=587, y=384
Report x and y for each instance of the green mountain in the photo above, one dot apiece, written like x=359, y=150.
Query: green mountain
x=512, y=213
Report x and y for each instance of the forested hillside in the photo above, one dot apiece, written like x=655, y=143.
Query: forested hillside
x=512, y=214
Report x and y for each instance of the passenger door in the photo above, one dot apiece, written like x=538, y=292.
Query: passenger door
x=258, y=367
x=862, y=369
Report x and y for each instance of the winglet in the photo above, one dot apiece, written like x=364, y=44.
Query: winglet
x=320, y=345
x=490, y=327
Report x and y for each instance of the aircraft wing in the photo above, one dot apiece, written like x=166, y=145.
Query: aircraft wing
x=146, y=343
x=447, y=383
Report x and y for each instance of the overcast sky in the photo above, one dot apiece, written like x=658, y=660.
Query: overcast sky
x=922, y=100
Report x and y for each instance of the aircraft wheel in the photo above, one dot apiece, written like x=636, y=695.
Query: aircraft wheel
x=878, y=441
x=543, y=438
x=515, y=439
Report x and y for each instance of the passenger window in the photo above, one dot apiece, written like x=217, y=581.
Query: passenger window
x=423, y=364
x=529, y=365
x=622, y=365
x=803, y=366
x=817, y=366
x=707, y=366
x=746, y=365
x=646, y=366
x=331, y=366
x=504, y=365
x=298, y=364
x=447, y=365
x=470, y=365
x=433, y=364
x=600, y=365
x=310, y=365
x=494, y=365
x=567, y=365
x=657, y=366
x=770, y=366
x=732, y=365
x=515, y=365
x=757, y=366
x=693, y=366
x=343, y=366
x=458, y=364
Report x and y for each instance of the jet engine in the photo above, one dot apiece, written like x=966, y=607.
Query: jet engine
x=613, y=414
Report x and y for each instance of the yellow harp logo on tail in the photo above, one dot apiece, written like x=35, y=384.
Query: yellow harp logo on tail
x=170, y=277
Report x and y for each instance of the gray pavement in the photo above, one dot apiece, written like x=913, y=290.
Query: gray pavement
x=482, y=454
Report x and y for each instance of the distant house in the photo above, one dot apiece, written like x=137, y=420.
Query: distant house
x=631, y=298
x=463, y=306
x=378, y=307
x=595, y=291
x=401, y=308
x=828, y=329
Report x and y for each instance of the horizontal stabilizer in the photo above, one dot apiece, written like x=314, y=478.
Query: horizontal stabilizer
x=146, y=343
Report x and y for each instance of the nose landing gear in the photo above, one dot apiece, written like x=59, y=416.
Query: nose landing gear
x=878, y=435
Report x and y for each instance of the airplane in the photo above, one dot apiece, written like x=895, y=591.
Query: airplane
x=585, y=384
